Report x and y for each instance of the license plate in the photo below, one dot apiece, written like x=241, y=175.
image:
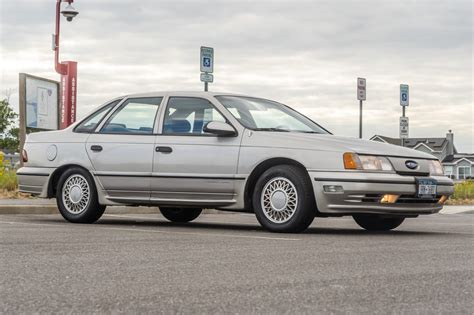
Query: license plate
x=426, y=187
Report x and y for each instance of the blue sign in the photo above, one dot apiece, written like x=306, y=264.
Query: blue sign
x=404, y=95
x=207, y=59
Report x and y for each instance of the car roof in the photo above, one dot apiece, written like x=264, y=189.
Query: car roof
x=182, y=93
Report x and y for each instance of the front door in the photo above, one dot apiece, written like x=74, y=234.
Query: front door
x=189, y=165
x=122, y=151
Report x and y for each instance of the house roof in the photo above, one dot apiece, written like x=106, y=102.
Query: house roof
x=455, y=158
x=434, y=144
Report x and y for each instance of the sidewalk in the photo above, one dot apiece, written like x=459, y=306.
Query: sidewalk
x=48, y=206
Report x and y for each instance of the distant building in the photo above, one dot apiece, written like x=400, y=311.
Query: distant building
x=456, y=165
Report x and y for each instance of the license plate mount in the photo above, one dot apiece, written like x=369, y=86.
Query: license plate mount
x=426, y=188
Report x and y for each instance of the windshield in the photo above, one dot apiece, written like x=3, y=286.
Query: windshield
x=261, y=114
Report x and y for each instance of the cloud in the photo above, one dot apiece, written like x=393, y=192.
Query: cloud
x=307, y=54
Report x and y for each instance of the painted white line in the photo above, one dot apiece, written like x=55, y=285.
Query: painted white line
x=169, y=232
x=208, y=234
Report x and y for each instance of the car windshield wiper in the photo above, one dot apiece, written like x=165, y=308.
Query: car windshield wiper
x=272, y=129
x=310, y=131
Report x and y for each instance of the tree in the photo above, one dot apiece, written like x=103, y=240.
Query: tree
x=7, y=116
x=9, y=135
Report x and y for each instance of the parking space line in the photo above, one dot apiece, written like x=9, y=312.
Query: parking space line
x=209, y=234
x=171, y=232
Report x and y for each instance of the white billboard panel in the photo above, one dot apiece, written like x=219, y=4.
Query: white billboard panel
x=41, y=103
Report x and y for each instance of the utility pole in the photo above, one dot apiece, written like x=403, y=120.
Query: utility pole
x=67, y=70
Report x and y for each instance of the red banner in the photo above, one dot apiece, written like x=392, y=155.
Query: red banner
x=67, y=113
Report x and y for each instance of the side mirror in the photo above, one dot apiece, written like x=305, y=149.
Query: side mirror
x=220, y=128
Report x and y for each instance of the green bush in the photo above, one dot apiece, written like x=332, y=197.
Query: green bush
x=464, y=190
x=8, y=180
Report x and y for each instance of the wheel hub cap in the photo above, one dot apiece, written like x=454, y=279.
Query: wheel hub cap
x=279, y=200
x=76, y=194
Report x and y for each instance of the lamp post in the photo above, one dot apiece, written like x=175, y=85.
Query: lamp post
x=67, y=70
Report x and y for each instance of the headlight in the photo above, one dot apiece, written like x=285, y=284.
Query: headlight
x=435, y=167
x=354, y=161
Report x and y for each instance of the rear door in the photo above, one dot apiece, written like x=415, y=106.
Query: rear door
x=122, y=151
x=191, y=166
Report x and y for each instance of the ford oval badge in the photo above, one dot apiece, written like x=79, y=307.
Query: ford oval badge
x=411, y=164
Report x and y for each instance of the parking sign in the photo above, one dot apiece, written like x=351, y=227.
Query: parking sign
x=403, y=127
x=404, y=95
x=207, y=59
x=361, y=89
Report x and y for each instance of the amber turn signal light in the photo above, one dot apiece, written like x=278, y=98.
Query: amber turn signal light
x=443, y=199
x=389, y=198
x=351, y=161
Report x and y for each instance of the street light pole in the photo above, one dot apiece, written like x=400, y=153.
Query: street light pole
x=67, y=70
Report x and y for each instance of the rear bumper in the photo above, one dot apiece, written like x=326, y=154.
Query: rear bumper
x=34, y=180
x=361, y=193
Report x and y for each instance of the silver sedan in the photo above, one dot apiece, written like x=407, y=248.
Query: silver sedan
x=185, y=151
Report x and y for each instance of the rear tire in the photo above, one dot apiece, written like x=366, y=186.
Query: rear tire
x=76, y=197
x=180, y=215
x=283, y=199
x=372, y=222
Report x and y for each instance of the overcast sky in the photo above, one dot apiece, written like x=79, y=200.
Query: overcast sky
x=306, y=54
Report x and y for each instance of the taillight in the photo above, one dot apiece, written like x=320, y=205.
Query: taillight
x=24, y=156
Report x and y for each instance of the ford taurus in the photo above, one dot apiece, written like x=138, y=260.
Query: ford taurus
x=185, y=151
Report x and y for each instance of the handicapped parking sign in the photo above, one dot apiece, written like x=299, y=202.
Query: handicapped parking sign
x=207, y=59
x=404, y=95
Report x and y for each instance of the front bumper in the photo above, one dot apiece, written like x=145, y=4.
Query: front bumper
x=34, y=180
x=361, y=193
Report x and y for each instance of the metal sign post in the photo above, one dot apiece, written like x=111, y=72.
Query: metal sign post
x=207, y=66
x=361, y=96
x=404, y=102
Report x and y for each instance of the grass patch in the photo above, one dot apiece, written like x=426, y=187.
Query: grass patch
x=8, y=180
x=463, y=191
x=9, y=186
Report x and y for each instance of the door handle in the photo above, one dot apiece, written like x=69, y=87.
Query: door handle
x=163, y=149
x=96, y=148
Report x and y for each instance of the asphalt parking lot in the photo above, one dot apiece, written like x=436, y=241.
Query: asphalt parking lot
x=225, y=263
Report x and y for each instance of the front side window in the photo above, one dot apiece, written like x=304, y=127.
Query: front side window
x=135, y=116
x=188, y=115
x=261, y=114
x=90, y=123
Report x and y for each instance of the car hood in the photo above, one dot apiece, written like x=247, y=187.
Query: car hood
x=326, y=142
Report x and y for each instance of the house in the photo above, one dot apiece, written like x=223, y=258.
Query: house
x=456, y=165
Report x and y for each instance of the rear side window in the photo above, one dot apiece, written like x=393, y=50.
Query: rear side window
x=89, y=125
x=135, y=116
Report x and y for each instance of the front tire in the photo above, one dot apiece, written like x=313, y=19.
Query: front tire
x=76, y=197
x=372, y=222
x=283, y=199
x=180, y=215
